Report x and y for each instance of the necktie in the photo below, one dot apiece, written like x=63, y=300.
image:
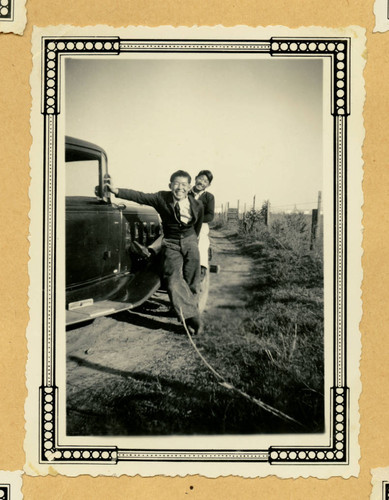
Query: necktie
x=177, y=211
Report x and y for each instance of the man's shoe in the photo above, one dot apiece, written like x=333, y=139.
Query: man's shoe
x=194, y=325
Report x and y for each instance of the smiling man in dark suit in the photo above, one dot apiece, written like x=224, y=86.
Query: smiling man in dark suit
x=182, y=217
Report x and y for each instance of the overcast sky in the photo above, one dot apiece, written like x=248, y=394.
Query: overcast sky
x=255, y=123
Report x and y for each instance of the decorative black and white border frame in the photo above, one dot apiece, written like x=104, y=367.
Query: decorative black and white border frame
x=5, y=491
x=6, y=10
x=337, y=50
x=334, y=452
x=385, y=490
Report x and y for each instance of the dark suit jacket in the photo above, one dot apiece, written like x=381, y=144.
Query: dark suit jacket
x=163, y=202
x=208, y=200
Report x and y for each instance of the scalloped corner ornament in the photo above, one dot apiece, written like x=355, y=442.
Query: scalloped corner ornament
x=314, y=81
x=381, y=12
x=13, y=16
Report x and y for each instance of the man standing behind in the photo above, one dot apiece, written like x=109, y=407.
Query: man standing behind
x=182, y=217
x=202, y=182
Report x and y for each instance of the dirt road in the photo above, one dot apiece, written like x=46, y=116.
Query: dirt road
x=127, y=374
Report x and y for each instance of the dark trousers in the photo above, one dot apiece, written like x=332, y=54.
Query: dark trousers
x=181, y=272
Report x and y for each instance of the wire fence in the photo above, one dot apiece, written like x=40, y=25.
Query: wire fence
x=292, y=228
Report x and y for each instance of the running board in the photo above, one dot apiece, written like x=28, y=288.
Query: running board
x=142, y=287
x=95, y=310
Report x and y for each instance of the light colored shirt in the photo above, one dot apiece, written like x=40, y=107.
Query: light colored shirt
x=197, y=195
x=185, y=211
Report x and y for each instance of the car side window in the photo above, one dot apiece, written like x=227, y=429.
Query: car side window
x=81, y=177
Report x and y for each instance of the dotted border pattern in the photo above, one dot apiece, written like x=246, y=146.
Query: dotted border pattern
x=48, y=285
x=336, y=453
x=5, y=492
x=338, y=50
x=52, y=52
x=194, y=46
x=50, y=452
x=340, y=240
x=6, y=10
x=193, y=456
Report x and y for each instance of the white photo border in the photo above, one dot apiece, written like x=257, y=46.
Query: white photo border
x=381, y=12
x=338, y=50
x=380, y=484
x=11, y=485
x=13, y=16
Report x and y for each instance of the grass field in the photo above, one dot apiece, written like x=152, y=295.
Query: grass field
x=274, y=348
x=137, y=374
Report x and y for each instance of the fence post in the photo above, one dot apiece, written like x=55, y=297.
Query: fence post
x=254, y=203
x=267, y=222
x=313, y=227
x=318, y=229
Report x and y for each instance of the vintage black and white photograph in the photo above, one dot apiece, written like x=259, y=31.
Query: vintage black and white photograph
x=226, y=133
x=196, y=250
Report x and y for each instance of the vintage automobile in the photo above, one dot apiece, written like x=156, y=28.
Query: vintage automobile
x=111, y=247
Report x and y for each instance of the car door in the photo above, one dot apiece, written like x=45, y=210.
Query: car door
x=93, y=228
x=92, y=241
